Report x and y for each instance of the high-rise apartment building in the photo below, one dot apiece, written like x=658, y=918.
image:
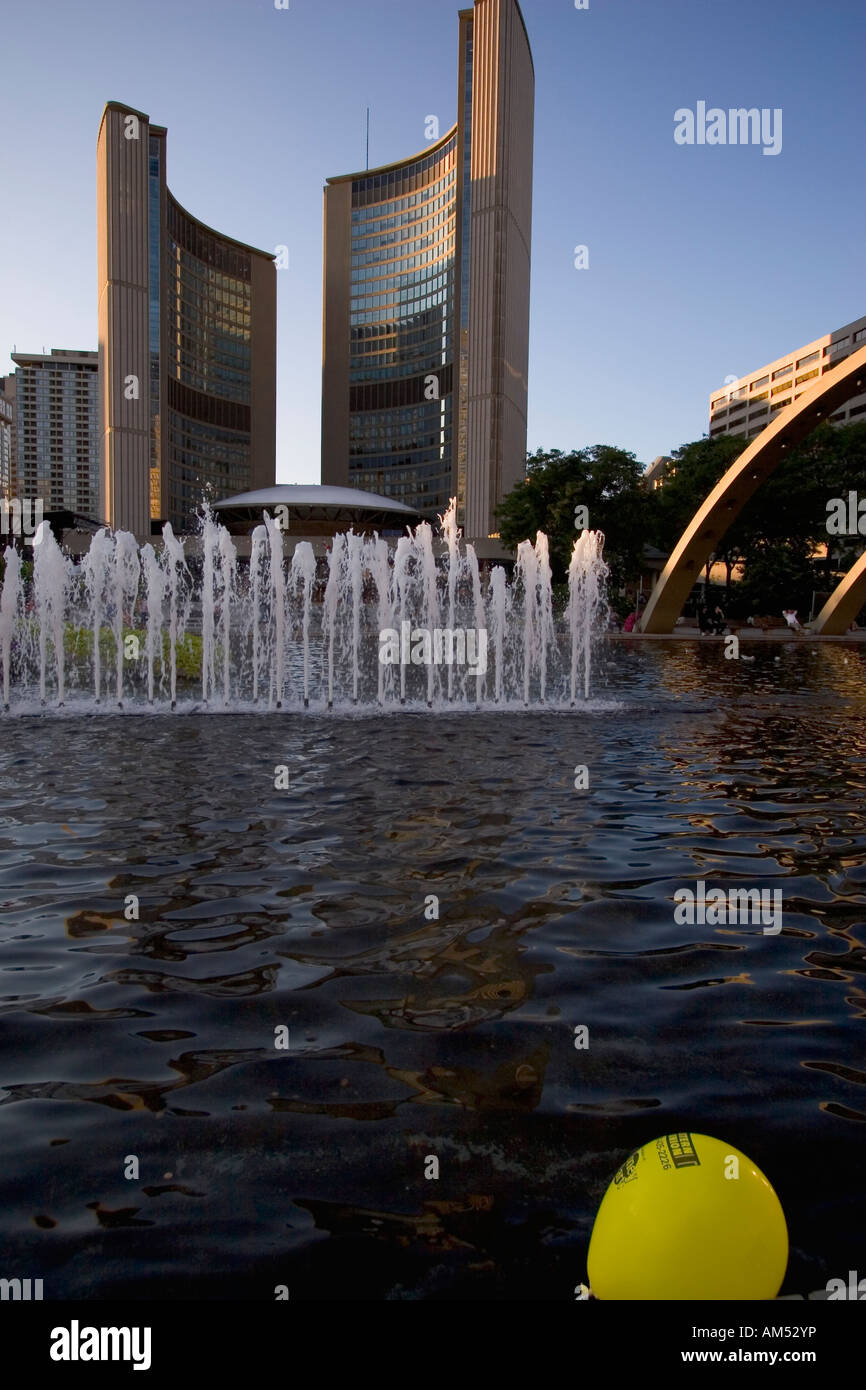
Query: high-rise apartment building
x=8, y=487
x=748, y=405
x=56, y=431
x=187, y=341
x=426, y=296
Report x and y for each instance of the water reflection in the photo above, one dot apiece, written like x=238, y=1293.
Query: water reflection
x=413, y=1034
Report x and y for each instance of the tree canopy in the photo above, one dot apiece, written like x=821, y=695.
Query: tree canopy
x=603, y=479
x=775, y=537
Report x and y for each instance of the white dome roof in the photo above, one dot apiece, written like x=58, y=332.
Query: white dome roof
x=314, y=495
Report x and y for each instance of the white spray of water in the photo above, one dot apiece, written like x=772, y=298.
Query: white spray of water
x=11, y=612
x=176, y=572
x=97, y=568
x=545, y=634
x=304, y=571
x=278, y=601
x=155, y=590
x=258, y=556
x=228, y=584
x=51, y=576
x=478, y=612
x=449, y=533
x=587, y=605
x=429, y=596
x=336, y=565
x=127, y=571
x=209, y=544
x=381, y=571
x=499, y=610
x=527, y=569
x=401, y=586
x=276, y=612
x=355, y=544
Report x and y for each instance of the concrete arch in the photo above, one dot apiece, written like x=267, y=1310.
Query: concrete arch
x=731, y=493
x=844, y=603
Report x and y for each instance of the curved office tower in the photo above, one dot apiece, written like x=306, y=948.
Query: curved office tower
x=187, y=342
x=426, y=289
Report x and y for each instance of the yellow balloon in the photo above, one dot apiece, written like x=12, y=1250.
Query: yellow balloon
x=688, y=1217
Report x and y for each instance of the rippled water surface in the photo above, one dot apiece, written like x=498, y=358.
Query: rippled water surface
x=410, y=1035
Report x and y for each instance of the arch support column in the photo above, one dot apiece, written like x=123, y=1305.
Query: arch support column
x=731, y=493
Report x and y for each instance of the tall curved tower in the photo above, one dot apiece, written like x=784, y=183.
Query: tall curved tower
x=187, y=342
x=426, y=296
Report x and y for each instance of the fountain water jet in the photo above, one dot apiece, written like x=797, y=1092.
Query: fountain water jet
x=272, y=625
x=97, y=568
x=587, y=605
x=125, y=575
x=156, y=588
x=304, y=570
x=52, y=572
x=11, y=612
x=177, y=572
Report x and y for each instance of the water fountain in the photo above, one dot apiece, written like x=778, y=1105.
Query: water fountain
x=415, y=624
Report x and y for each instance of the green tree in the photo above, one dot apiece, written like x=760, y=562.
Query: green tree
x=692, y=474
x=789, y=510
x=603, y=479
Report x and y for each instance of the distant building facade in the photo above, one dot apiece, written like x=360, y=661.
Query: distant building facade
x=426, y=296
x=187, y=341
x=55, y=425
x=749, y=404
x=655, y=473
x=8, y=486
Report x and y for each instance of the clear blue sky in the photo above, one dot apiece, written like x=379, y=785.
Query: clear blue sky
x=705, y=261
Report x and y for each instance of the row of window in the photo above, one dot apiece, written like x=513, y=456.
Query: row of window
x=435, y=212
x=835, y=419
x=384, y=301
x=401, y=248
x=412, y=242
x=55, y=395
x=437, y=173
x=369, y=421
x=402, y=215
x=388, y=438
x=190, y=236
x=412, y=200
x=202, y=314
x=831, y=349
x=407, y=275
x=399, y=289
x=398, y=348
x=194, y=284
x=211, y=347
x=719, y=409
x=401, y=183
x=419, y=205
x=216, y=382
x=425, y=320
x=418, y=366
x=405, y=265
x=199, y=319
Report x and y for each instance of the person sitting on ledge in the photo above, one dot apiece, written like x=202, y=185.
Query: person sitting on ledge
x=632, y=619
x=790, y=616
x=719, y=621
